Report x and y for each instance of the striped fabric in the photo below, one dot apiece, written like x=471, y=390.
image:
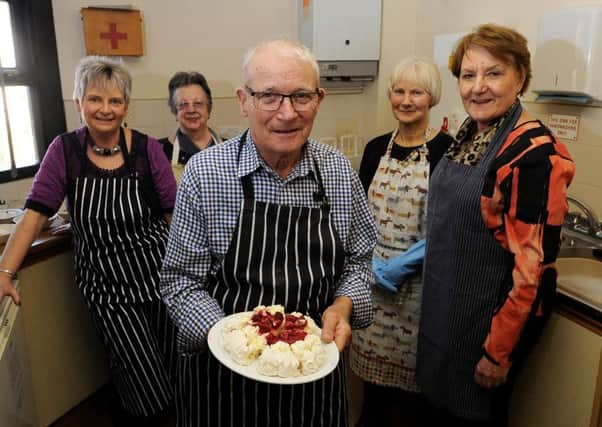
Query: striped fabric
x=298, y=267
x=118, y=246
x=278, y=254
x=465, y=273
x=272, y=405
x=139, y=340
x=118, y=249
x=523, y=203
x=101, y=279
x=494, y=229
x=207, y=209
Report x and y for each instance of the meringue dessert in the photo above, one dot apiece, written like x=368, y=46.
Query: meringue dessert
x=281, y=344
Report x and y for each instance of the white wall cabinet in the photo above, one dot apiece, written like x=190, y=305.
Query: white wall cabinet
x=341, y=30
x=568, y=57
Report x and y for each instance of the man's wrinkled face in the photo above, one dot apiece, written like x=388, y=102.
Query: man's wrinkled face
x=283, y=132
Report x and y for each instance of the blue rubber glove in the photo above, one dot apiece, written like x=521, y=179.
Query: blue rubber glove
x=391, y=273
x=377, y=267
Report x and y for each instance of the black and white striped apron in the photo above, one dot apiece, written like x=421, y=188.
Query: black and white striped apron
x=466, y=275
x=119, y=247
x=279, y=254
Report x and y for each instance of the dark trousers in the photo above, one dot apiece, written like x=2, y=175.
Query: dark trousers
x=499, y=413
x=121, y=418
x=389, y=406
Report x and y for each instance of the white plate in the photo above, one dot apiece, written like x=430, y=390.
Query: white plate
x=216, y=345
x=8, y=215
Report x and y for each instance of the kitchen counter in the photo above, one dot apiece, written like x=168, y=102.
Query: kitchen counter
x=579, y=293
x=560, y=384
x=564, y=372
x=579, y=312
x=46, y=245
x=66, y=357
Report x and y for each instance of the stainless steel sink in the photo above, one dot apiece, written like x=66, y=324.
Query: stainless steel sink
x=579, y=261
x=575, y=239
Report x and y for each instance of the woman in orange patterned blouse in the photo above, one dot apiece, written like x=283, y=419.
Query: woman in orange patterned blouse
x=496, y=204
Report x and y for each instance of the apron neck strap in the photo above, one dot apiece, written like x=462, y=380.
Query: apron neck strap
x=391, y=142
x=320, y=196
x=502, y=133
x=247, y=184
x=127, y=159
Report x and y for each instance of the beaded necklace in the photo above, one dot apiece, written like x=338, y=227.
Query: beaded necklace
x=105, y=151
x=102, y=151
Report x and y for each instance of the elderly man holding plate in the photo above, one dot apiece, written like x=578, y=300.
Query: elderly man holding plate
x=268, y=217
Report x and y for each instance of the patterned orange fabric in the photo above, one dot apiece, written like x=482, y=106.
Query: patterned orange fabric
x=527, y=222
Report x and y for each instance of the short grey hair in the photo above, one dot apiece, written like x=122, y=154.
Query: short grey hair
x=287, y=48
x=421, y=71
x=187, y=78
x=99, y=71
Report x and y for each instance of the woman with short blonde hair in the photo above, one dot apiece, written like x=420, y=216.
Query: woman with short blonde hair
x=395, y=172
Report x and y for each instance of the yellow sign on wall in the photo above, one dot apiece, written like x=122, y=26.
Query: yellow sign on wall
x=112, y=31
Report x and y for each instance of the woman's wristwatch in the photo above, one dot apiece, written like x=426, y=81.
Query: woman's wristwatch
x=10, y=273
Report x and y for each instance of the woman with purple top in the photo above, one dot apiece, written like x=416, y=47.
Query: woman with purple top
x=120, y=194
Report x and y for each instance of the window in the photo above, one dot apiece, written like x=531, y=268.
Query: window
x=31, y=104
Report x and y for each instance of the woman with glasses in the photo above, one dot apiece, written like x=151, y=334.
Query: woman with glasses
x=190, y=101
x=395, y=172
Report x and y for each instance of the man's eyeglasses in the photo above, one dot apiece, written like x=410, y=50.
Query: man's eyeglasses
x=302, y=100
x=195, y=105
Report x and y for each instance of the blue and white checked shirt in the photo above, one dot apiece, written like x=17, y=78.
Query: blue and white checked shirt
x=206, y=213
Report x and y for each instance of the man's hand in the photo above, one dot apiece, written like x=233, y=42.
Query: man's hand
x=488, y=374
x=335, y=322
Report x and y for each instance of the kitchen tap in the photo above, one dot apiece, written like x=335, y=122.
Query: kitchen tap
x=593, y=222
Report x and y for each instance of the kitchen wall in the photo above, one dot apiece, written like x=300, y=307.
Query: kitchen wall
x=212, y=36
x=439, y=17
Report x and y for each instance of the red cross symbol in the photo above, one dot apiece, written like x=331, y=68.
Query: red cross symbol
x=114, y=35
